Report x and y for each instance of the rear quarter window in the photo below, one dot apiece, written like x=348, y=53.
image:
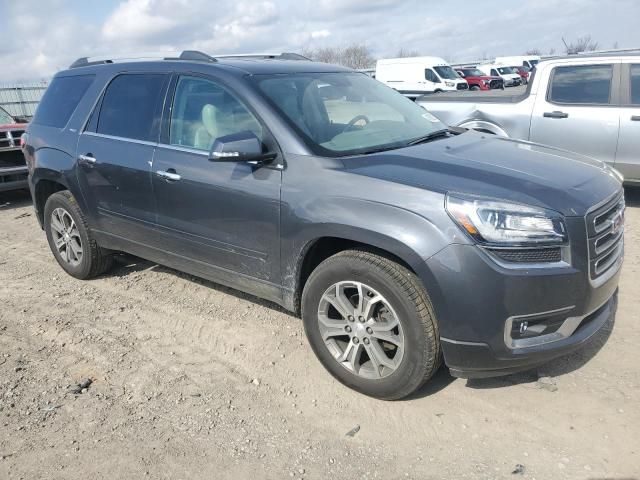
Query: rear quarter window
x=581, y=84
x=61, y=99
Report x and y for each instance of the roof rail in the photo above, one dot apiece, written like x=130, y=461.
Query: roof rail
x=266, y=56
x=186, y=55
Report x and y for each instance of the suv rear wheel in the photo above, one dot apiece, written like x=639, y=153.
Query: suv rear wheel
x=371, y=324
x=70, y=240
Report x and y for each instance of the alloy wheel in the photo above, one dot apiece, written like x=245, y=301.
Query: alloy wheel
x=66, y=237
x=360, y=329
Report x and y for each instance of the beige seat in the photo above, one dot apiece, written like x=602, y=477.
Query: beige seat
x=209, y=130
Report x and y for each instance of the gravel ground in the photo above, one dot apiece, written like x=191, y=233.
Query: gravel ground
x=150, y=372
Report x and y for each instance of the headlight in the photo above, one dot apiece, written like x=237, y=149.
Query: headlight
x=505, y=223
x=450, y=84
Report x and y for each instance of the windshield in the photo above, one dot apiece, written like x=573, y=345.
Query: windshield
x=446, y=72
x=506, y=70
x=346, y=113
x=5, y=117
x=473, y=72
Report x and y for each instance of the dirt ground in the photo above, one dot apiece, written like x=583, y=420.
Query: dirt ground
x=191, y=380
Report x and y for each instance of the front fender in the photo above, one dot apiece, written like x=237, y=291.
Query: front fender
x=405, y=234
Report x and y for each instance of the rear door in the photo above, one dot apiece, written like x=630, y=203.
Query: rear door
x=221, y=216
x=115, y=154
x=577, y=110
x=628, y=154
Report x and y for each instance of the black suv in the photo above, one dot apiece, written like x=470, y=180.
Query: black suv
x=399, y=241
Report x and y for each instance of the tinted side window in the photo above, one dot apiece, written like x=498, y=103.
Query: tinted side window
x=584, y=84
x=129, y=106
x=635, y=84
x=494, y=72
x=429, y=75
x=204, y=111
x=61, y=99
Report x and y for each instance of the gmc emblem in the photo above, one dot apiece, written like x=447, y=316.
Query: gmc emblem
x=617, y=222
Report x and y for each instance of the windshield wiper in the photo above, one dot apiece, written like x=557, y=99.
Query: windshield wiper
x=445, y=132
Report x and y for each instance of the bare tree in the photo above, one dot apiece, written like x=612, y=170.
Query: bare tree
x=533, y=51
x=581, y=44
x=552, y=51
x=616, y=46
x=353, y=56
x=404, y=53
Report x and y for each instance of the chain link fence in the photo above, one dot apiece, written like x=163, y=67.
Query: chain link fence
x=21, y=100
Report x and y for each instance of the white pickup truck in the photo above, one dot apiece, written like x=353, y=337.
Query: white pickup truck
x=585, y=104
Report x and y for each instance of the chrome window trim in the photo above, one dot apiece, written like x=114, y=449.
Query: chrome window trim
x=183, y=149
x=122, y=139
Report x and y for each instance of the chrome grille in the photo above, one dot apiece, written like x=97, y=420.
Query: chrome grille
x=10, y=138
x=605, y=229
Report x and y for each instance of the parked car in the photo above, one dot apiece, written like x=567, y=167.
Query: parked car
x=529, y=61
x=523, y=72
x=508, y=74
x=417, y=76
x=13, y=169
x=577, y=103
x=398, y=240
x=477, y=80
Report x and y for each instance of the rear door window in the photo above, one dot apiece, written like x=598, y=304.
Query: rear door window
x=581, y=85
x=131, y=105
x=635, y=84
x=61, y=99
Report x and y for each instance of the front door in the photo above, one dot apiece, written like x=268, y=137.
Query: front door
x=628, y=154
x=221, y=216
x=115, y=154
x=578, y=112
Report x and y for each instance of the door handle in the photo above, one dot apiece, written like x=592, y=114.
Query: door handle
x=635, y=118
x=171, y=176
x=555, y=114
x=88, y=158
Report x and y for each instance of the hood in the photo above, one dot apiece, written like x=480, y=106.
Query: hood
x=491, y=166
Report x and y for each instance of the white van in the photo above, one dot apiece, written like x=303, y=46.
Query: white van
x=417, y=76
x=529, y=61
x=508, y=74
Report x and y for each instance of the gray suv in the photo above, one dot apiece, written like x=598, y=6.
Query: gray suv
x=400, y=242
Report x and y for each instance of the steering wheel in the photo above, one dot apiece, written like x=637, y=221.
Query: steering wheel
x=355, y=120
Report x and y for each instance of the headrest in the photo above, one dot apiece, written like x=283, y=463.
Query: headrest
x=210, y=119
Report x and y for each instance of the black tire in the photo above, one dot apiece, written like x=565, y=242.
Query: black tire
x=95, y=260
x=474, y=88
x=408, y=298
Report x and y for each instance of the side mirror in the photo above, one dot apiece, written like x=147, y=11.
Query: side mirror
x=240, y=147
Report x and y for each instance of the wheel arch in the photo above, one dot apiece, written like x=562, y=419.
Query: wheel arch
x=484, y=126
x=54, y=171
x=45, y=185
x=318, y=249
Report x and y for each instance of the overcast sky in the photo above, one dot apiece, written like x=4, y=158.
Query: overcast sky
x=40, y=37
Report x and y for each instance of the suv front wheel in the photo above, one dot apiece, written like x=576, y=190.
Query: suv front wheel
x=70, y=239
x=371, y=324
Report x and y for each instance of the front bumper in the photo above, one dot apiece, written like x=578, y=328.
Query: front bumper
x=478, y=360
x=476, y=301
x=13, y=178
